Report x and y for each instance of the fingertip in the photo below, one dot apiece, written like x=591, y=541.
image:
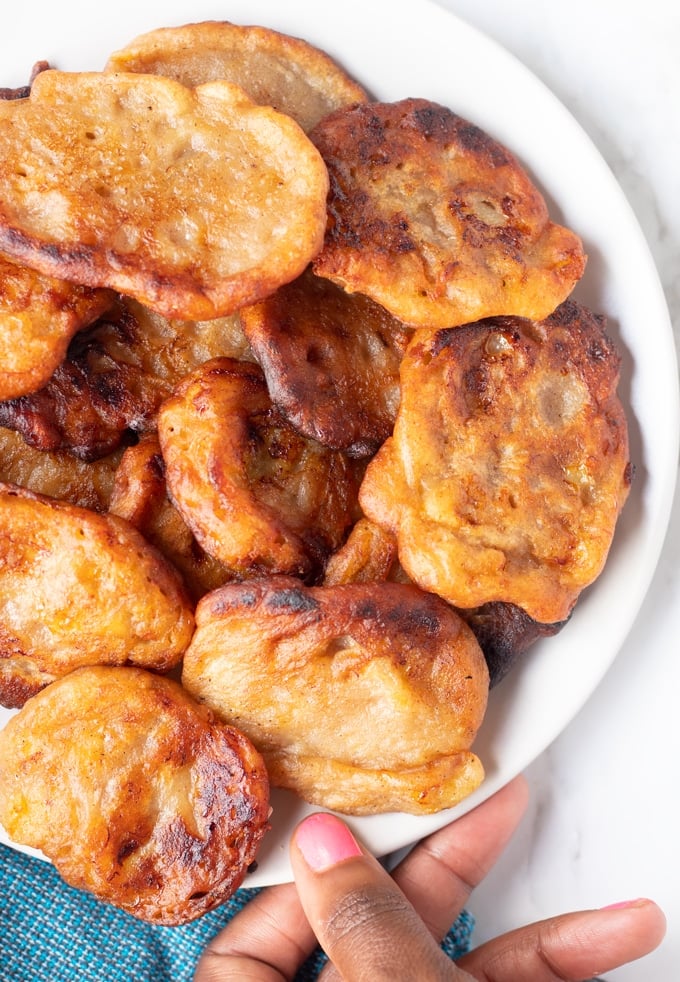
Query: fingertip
x=642, y=915
x=323, y=840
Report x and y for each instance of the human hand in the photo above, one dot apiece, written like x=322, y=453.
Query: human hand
x=374, y=925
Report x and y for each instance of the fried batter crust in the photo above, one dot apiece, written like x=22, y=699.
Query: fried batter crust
x=331, y=360
x=134, y=792
x=508, y=466
x=57, y=474
x=77, y=588
x=363, y=698
x=258, y=496
x=192, y=201
x=505, y=633
x=140, y=496
x=436, y=221
x=274, y=69
x=114, y=378
x=38, y=317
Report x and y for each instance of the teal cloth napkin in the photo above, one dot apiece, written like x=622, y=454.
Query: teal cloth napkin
x=50, y=932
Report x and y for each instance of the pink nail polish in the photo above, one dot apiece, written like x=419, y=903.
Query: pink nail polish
x=622, y=904
x=325, y=841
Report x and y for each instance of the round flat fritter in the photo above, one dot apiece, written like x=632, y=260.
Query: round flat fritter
x=78, y=588
x=115, y=376
x=259, y=497
x=136, y=793
x=38, y=317
x=331, y=360
x=192, y=201
x=508, y=466
x=436, y=221
x=274, y=69
x=363, y=698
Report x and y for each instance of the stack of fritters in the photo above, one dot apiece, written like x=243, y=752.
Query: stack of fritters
x=304, y=366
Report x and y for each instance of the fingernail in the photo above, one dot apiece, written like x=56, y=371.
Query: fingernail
x=622, y=904
x=325, y=841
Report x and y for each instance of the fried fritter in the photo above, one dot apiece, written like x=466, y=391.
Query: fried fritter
x=38, y=317
x=136, y=793
x=57, y=474
x=508, y=466
x=274, y=69
x=361, y=698
x=140, y=496
x=436, y=221
x=257, y=495
x=114, y=378
x=369, y=555
x=505, y=633
x=331, y=360
x=78, y=588
x=192, y=201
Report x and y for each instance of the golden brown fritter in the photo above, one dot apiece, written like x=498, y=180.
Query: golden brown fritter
x=78, y=588
x=115, y=376
x=274, y=69
x=258, y=496
x=362, y=698
x=331, y=360
x=192, y=201
x=57, y=474
x=504, y=631
x=38, y=317
x=140, y=496
x=508, y=465
x=435, y=220
x=136, y=793
x=369, y=555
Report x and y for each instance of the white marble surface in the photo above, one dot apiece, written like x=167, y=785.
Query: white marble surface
x=602, y=824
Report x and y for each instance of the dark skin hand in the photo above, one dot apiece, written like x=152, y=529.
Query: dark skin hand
x=375, y=925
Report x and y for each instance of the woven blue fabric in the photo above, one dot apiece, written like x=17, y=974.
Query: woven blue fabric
x=52, y=933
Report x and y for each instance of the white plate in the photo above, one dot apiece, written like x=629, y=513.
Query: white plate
x=400, y=48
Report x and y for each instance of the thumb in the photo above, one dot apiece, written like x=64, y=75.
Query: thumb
x=364, y=923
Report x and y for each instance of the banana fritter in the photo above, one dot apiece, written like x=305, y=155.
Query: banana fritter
x=136, y=793
x=258, y=496
x=369, y=555
x=362, y=698
x=140, y=496
x=114, y=378
x=437, y=221
x=77, y=588
x=331, y=360
x=274, y=69
x=508, y=465
x=192, y=201
x=504, y=631
x=57, y=474
x=38, y=317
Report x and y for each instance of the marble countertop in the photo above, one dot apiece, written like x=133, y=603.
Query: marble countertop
x=601, y=825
